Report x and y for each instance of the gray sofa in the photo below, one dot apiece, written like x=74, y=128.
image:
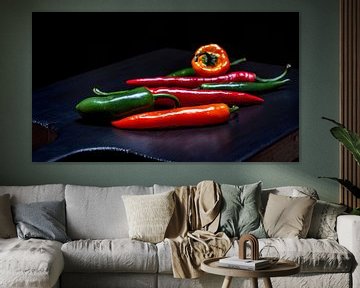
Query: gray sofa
x=100, y=253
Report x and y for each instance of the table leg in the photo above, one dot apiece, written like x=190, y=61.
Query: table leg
x=227, y=282
x=254, y=282
x=267, y=283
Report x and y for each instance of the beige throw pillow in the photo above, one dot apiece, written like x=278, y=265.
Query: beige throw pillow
x=149, y=215
x=288, y=217
x=7, y=226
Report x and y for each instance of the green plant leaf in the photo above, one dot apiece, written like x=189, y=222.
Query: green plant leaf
x=355, y=211
x=348, y=138
x=348, y=185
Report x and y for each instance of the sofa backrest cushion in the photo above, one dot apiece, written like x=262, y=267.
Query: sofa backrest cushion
x=98, y=212
x=158, y=188
x=34, y=193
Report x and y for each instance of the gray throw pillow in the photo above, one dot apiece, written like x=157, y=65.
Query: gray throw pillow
x=44, y=220
x=323, y=222
x=7, y=226
x=240, y=213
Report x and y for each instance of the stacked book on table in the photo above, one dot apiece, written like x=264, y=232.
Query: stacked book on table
x=248, y=264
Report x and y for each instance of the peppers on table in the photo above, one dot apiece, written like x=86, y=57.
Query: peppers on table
x=120, y=104
x=202, y=115
x=208, y=105
x=210, y=60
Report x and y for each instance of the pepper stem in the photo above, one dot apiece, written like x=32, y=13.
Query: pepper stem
x=169, y=96
x=102, y=93
x=209, y=59
x=238, y=61
x=233, y=108
x=282, y=75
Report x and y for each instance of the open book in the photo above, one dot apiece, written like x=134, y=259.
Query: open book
x=236, y=262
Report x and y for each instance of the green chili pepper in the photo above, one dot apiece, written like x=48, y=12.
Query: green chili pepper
x=190, y=71
x=120, y=104
x=245, y=86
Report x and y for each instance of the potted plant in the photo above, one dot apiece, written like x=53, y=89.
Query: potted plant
x=351, y=142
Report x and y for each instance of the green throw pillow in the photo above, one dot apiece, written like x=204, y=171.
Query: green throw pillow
x=240, y=213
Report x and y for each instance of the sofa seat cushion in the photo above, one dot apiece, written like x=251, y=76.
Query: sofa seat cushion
x=164, y=257
x=30, y=263
x=110, y=255
x=313, y=255
x=108, y=280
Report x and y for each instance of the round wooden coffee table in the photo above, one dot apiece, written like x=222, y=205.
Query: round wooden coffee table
x=281, y=268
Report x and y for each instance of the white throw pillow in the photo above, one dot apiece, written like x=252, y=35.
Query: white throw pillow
x=149, y=215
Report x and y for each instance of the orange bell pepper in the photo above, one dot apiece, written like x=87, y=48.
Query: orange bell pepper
x=210, y=60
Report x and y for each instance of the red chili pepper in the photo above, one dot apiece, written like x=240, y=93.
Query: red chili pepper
x=190, y=97
x=202, y=115
x=192, y=82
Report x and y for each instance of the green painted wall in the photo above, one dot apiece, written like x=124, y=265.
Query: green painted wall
x=319, y=74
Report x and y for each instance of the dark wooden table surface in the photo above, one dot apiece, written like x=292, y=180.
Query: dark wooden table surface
x=251, y=131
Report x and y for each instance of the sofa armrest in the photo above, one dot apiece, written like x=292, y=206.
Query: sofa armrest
x=348, y=230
